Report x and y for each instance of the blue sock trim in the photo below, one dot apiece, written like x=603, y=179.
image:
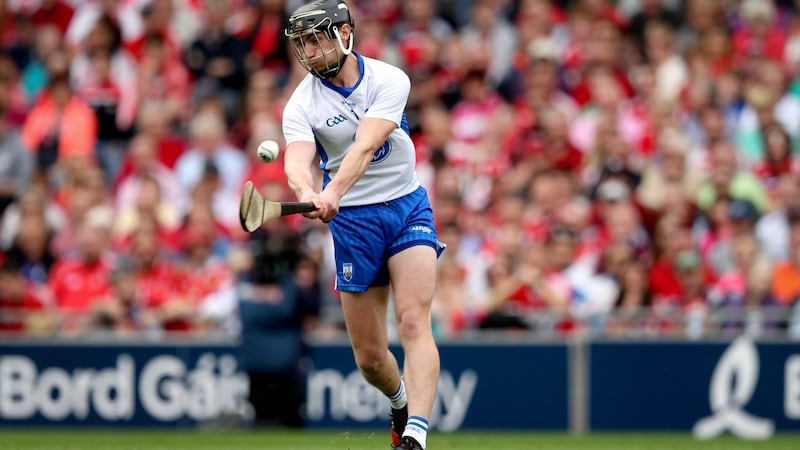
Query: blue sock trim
x=418, y=421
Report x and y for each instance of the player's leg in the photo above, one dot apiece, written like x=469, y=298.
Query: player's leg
x=365, y=318
x=413, y=274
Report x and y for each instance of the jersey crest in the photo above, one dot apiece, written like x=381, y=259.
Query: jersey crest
x=382, y=152
x=347, y=271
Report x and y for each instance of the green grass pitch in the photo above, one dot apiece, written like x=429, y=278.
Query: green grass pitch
x=78, y=439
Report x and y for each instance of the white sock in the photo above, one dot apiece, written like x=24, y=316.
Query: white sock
x=417, y=428
x=399, y=399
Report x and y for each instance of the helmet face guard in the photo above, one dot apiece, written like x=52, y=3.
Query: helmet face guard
x=322, y=57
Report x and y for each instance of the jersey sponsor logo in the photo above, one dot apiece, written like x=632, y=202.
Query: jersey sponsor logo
x=335, y=120
x=422, y=228
x=739, y=363
x=382, y=152
x=347, y=271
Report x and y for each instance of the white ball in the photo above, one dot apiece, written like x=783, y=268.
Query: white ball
x=268, y=151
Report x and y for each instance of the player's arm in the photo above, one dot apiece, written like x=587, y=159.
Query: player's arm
x=371, y=134
x=297, y=164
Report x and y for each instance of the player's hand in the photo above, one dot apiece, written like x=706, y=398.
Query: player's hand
x=311, y=197
x=327, y=204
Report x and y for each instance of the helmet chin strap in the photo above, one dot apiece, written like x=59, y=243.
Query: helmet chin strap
x=349, y=48
x=332, y=72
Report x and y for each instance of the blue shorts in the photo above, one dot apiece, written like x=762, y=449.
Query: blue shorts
x=365, y=237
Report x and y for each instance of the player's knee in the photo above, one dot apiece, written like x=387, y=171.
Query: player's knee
x=413, y=323
x=369, y=361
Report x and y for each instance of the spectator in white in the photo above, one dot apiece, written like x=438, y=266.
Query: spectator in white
x=144, y=162
x=87, y=12
x=772, y=229
x=16, y=162
x=490, y=41
x=672, y=74
x=208, y=143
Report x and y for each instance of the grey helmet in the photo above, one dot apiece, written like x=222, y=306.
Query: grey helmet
x=312, y=18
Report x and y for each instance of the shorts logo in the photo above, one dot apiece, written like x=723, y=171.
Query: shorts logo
x=382, y=152
x=335, y=120
x=347, y=271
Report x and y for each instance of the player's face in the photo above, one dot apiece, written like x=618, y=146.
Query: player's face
x=316, y=50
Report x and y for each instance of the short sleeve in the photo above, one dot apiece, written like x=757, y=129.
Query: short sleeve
x=296, y=126
x=390, y=101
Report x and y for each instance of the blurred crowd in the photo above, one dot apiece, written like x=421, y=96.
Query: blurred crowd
x=622, y=168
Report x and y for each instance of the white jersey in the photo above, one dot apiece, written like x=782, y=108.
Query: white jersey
x=328, y=115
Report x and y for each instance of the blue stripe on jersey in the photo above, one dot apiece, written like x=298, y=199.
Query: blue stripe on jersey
x=323, y=164
x=346, y=91
x=404, y=124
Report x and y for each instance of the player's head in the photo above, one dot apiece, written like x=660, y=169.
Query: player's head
x=316, y=30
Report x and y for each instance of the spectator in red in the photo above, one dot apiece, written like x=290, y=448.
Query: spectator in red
x=759, y=34
x=522, y=292
x=469, y=118
x=671, y=238
x=20, y=299
x=209, y=278
x=691, y=308
x=83, y=188
x=103, y=73
x=156, y=17
x=716, y=50
x=156, y=122
x=164, y=80
x=55, y=12
x=158, y=281
x=144, y=162
x=60, y=126
x=81, y=283
x=268, y=47
x=150, y=202
x=601, y=50
x=554, y=150
x=778, y=158
x=417, y=30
